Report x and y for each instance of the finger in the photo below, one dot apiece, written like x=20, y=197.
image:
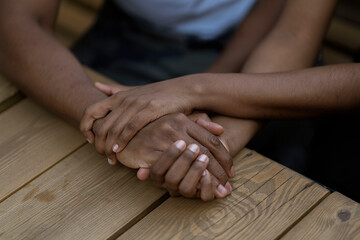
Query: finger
x=101, y=135
x=115, y=121
x=112, y=160
x=103, y=88
x=180, y=167
x=204, y=121
x=212, y=127
x=137, y=122
x=214, y=166
x=187, y=187
x=91, y=113
x=160, y=167
x=207, y=189
x=215, y=146
x=143, y=174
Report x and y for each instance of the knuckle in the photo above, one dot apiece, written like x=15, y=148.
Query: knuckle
x=101, y=131
x=112, y=132
x=131, y=125
x=179, y=116
x=165, y=126
x=214, y=141
x=171, y=184
x=127, y=100
x=153, y=104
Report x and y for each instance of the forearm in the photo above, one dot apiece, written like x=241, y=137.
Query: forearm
x=247, y=36
x=295, y=94
x=43, y=69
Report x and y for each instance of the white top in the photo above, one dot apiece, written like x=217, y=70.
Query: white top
x=205, y=19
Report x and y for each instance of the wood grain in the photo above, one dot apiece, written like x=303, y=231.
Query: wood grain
x=267, y=199
x=82, y=197
x=337, y=217
x=31, y=141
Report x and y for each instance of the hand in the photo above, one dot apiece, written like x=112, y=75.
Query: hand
x=181, y=171
x=201, y=119
x=148, y=145
x=111, y=89
x=126, y=112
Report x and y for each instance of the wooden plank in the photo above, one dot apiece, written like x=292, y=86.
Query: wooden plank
x=9, y=94
x=31, y=141
x=267, y=200
x=337, y=217
x=82, y=197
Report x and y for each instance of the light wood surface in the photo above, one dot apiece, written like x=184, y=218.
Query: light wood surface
x=264, y=195
x=31, y=141
x=337, y=217
x=82, y=197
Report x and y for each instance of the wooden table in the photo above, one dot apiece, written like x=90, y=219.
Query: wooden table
x=53, y=185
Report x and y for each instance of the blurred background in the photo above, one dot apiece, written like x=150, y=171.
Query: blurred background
x=341, y=45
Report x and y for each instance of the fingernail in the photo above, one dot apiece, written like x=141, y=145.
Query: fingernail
x=180, y=144
x=110, y=161
x=204, y=173
x=194, y=148
x=88, y=140
x=222, y=189
x=228, y=186
x=202, y=158
x=115, y=147
x=232, y=171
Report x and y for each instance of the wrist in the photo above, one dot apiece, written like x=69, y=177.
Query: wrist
x=200, y=90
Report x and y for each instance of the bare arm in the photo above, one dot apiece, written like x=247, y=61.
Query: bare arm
x=39, y=65
x=292, y=44
x=247, y=36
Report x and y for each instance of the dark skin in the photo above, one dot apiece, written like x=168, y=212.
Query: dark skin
x=151, y=142
x=128, y=111
x=57, y=80
x=258, y=63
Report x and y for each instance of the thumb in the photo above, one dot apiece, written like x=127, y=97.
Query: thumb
x=212, y=127
x=103, y=88
x=143, y=173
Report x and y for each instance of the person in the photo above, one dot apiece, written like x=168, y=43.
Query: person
x=275, y=36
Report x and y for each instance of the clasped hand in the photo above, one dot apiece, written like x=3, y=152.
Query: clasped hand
x=151, y=146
